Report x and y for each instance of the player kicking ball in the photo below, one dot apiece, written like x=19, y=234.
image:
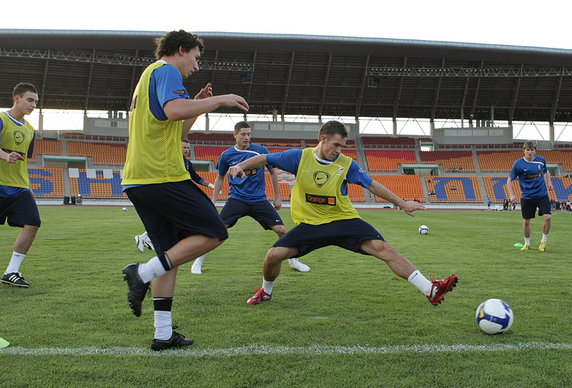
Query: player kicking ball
x=324, y=214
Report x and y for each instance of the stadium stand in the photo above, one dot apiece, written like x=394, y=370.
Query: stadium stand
x=210, y=153
x=498, y=160
x=453, y=189
x=100, y=153
x=388, y=142
x=211, y=138
x=47, y=182
x=452, y=161
x=388, y=160
x=45, y=147
x=407, y=187
x=97, y=186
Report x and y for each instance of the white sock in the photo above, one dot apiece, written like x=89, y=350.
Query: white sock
x=544, y=238
x=421, y=282
x=527, y=241
x=15, y=262
x=163, y=323
x=151, y=270
x=267, y=286
x=199, y=261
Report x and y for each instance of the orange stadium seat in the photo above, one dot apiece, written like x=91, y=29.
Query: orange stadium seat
x=452, y=161
x=498, y=160
x=388, y=160
x=407, y=187
x=46, y=147
x=100, y=153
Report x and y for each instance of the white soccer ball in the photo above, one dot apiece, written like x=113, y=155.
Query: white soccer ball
x=124, y=209
x=423, y=229
x=494, y=316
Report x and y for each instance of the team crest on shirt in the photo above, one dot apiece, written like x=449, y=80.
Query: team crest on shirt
x=340, y=171
x=19, y=137
x=321, y=178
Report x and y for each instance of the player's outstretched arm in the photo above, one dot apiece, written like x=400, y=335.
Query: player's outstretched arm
x=217, y=187
x=381, y=191
x=248, y=164
x=183, y=109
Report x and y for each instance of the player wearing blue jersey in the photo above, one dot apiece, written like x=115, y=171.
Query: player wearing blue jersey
x=181, y=220
x=247, y=197
x=17, y=203
x=324, y=214
x=534, y=180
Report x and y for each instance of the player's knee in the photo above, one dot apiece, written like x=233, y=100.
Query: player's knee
x=276, y=255
x=280, y=230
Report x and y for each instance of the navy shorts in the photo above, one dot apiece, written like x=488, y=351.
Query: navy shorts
x=347, y=234
x=528, y=207
x=262, y=211
x=20, y=210
x=174, y=211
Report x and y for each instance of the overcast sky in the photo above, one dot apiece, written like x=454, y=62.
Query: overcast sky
x=521, y=23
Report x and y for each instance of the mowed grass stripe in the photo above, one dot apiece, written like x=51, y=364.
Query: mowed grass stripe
x=268, y=350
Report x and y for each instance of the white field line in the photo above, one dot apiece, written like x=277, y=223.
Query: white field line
x=295, y=350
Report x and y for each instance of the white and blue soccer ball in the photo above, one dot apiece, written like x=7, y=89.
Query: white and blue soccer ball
x=124, y=209
x=423, y=229
x=494, y=316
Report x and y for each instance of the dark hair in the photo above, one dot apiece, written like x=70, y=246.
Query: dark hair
x=241, y=124
x=23, y=87
x=332, y=128
x=169, y=43
x=185, y=141
x=529, y=144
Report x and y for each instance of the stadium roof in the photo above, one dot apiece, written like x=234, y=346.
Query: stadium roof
x=302, y=75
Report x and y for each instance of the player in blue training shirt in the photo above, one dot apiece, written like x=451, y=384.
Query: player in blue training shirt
x=534, y=180
x=247, y=197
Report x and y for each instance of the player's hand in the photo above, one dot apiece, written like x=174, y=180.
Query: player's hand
x=277, y=203
x=411, y=206
x=234, y=101
x=14, y=156
x=210, y=186
x=205, y=92
x=235, y=171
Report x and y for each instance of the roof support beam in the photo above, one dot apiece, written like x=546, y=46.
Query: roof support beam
x=398, y=94
x=436, y=94
x=325, y=87
x=362, y=88
x=514, y=100
x=287, y=86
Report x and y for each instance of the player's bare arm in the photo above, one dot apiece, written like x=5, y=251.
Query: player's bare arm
x=548, y=181
x=381, y=191
x=184, y=109
x=219, y=181
x=248, y=164
x=205, y=92
x=509, y=186
x=277, y=202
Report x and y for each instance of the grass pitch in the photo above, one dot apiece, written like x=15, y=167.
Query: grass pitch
x=348, y=322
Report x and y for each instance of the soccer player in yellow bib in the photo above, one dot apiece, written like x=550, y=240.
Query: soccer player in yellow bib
x=324, y=214
x=17, y=203
x=180, y=219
